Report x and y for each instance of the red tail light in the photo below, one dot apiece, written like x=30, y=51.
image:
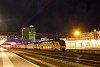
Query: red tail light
x=63, y=46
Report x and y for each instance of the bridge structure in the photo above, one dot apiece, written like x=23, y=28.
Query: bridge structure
x=38, y=35
x=10, y=33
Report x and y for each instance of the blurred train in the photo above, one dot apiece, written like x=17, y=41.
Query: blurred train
x=44, y=45
x=72, y=43
x=5, y=45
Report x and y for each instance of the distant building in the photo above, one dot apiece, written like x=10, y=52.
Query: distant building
x=2, y=39
x=29, y=33
x=87, y=40
x=90, y=35
x=87, y=36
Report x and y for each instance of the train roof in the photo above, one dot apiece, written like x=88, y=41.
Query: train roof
x=36, y=42
x=53, y=40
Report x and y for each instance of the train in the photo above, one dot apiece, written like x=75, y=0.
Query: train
x=44, y=45
x=60, y=45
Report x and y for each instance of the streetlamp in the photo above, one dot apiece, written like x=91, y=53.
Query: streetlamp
x=23, y=33
x=95, y=34
x=76, y=34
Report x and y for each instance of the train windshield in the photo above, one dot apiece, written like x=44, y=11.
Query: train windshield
x=36, y=42
x=62, y=42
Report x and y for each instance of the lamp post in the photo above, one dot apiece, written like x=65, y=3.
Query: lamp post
x=23, y=33
x=95, y=36
x=76, y=33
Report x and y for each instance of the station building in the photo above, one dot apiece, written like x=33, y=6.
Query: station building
x=87, y=40
x=29, y=33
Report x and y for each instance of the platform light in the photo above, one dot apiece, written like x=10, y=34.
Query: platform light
x=77, y=33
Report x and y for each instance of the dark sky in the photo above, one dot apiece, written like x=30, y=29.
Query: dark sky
x=49, y=15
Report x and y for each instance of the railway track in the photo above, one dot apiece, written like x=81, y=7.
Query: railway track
x=64, y=56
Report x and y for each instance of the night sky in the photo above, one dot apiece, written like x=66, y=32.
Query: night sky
x=51, y=16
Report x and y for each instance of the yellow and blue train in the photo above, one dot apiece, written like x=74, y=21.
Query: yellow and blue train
x=46, y=45
x=50, y=45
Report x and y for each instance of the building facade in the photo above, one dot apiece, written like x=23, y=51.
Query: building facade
x=87, y=40
x=29, y=33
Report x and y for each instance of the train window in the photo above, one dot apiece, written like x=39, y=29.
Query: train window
x=47, y=42
x=50, y=47
x=46, y=46
x=55, y=44
x=50, y=42
x=61, y=42
x=43, y=42
x=38, y=44
x=41, y=46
